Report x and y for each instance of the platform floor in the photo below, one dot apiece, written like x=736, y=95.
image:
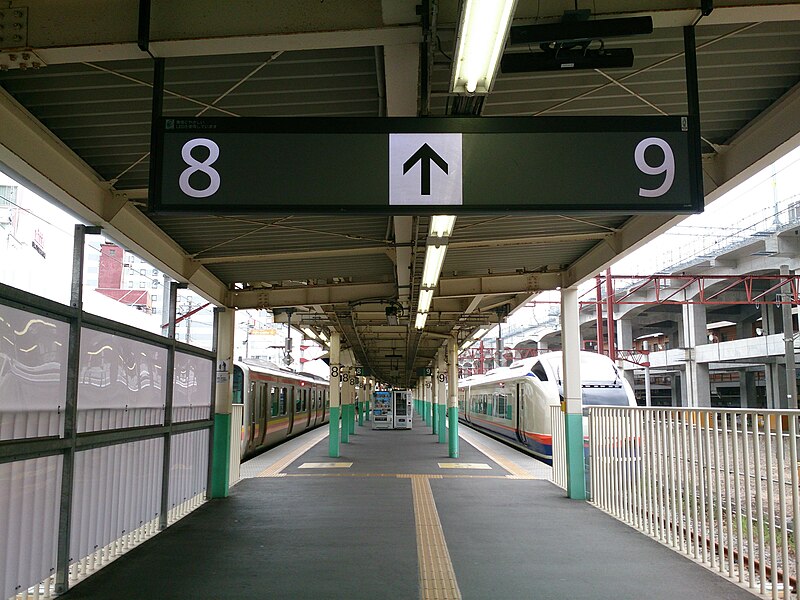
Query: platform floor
x=296, y=529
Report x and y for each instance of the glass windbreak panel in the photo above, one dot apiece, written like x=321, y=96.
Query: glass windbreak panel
x=117, y=490
x=196, y=320
x=33, y=383
x=191, y=395
x=120, y=382
x=29, y=495
x=37, y=240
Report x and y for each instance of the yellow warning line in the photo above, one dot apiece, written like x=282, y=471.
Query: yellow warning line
x=275, y=469
x=436, y=575
x=516, y=471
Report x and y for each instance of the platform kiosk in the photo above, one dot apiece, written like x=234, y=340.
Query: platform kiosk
x=382, y=410
x=401, y=402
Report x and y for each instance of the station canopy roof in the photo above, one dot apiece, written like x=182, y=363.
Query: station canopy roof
x=76, y=126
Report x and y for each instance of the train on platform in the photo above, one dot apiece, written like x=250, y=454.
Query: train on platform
x=513, y=403
x=277, y=404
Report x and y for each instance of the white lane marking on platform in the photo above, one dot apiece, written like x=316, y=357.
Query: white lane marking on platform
x=326, y=465
x=464, y=466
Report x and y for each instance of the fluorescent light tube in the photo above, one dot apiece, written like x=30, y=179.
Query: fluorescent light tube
x=309, y=332
x=420, y=322
x=434, y=259
x=482, y=331
x=425, y=298
x=482, y=31
x=442, y=225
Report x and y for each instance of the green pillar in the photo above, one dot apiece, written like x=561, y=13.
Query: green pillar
x=333, y=429
x=360, y=406
x=432, y=413
x=220, y=473
x=576, y=482
x=573, y=402
x=345, y=427
x=452, y=395
x=435, y=419
x=351, y=419
x=452, y=417
x=442, y=428
x=367, y=410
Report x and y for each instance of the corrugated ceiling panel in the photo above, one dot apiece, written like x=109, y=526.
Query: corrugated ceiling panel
x=360, y=269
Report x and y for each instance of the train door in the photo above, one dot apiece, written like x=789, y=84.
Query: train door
x=250, y=417
x=308, y=396
x=260, y=400
x=520, y=420
x=290, y=405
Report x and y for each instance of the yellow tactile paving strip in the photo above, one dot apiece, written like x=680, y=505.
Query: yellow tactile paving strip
x=516, y=471
x=275, y=469
x=436, y=576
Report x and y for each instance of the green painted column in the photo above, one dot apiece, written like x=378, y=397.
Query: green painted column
x=576, y=482
x=367, y=410
x=435, y=399
x=452, y=423
x=452, y=396
x=335, y=396
x=220, y=470
x=431, y=408
x=360, y=409
x=224, y=322
x=443, y=426
x=345, y=426
x=333, y=432
x=571, y=379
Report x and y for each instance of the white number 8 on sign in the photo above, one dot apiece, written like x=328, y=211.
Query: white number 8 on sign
x=204, y=167
x=667, y=166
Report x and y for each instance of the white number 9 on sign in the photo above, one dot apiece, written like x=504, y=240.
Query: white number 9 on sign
x=203, y=167
x=667, y=166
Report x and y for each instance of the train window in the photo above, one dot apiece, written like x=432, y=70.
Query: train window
x=238, y=386
x=539, y=371
x=282, y=398
x=274, y=401
x=304, y=404
x=327, y=400
x=313, y=399
x=501, y=405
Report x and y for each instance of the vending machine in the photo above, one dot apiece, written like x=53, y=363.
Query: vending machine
x=382, y=410
x=401, y=403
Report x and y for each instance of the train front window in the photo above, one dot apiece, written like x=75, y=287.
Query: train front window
x=604, y=396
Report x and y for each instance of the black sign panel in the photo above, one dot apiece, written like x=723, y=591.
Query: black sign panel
x=427, y=166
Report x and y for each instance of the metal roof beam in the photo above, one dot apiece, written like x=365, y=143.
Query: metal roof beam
x=62, y=32
x=29, y=152
x=307, y=296
x=492, y=285
x=768, y=137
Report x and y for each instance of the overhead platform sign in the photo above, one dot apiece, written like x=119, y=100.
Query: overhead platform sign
x=427, y=165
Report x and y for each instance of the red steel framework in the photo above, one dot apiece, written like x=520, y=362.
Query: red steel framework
x=662, y=290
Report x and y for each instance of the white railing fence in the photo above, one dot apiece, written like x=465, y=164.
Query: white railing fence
x=559, y=444
x=237, y=419
x=720, y=486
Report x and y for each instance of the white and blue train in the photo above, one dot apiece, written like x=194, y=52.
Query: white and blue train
x=514, y=402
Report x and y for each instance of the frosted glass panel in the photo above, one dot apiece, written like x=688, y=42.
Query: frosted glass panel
x=191, y=398
x=188, y=466
x=117, y=489
x=29, y=496
x=121, y=382
x=33, y=359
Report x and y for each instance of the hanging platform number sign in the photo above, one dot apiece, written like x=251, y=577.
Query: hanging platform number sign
x=490, y=165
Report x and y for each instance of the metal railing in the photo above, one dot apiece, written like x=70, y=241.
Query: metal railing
x=559, y=471
x=720, y=486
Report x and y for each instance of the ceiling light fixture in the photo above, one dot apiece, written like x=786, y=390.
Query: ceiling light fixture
x=482, y=29
x=421, y=318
